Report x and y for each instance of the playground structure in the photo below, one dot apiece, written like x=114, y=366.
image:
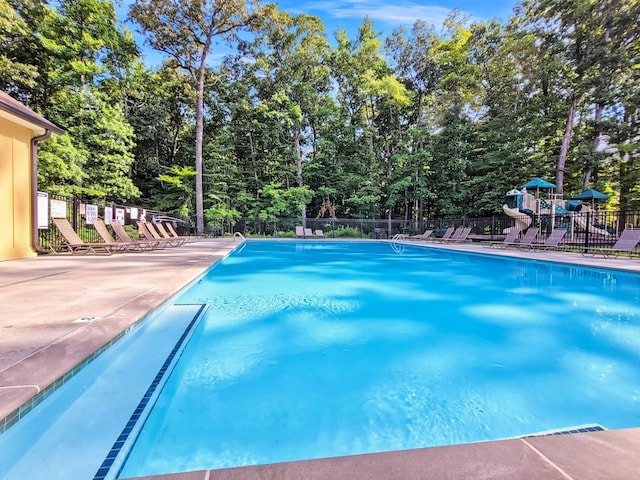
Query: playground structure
x=552, y=212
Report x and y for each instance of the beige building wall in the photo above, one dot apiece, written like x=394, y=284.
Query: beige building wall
x=15, y=191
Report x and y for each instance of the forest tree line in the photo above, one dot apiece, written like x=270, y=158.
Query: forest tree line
x=295, y=121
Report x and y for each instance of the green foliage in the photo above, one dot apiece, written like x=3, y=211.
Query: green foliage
x=283, y=202
x=177, y=192
x=14, y=33
x=442, y=123
x=221, y=213
x=60, y=166
x=346, y=232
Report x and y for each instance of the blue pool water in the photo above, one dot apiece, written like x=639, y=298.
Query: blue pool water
x=316, y=349
x=321, y=349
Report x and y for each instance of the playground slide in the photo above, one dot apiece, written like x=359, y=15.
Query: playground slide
x=580, y=221
x=522, y=219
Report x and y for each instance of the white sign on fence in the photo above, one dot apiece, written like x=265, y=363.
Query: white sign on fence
x=90, y=214
x=108, y=215
x=120, y=215
x=43, y=210
x=58, y=208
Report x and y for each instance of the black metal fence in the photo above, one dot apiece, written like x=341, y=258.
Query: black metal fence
x=584, y=229
x=78, y=211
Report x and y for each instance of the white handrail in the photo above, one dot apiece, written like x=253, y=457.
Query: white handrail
x=238, y=234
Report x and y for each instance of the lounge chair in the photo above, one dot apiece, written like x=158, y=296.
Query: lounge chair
x=448, y=234
x=150, y=234
x=104, y=232
x=454, y=235
x=553, y=240
x=165, y=234
x=308, y=232
x=131, y=244
x=73, y=244
x=172, y=231
x=451, y=234
x=137, y=244
x=626, y=243
x=421, y=236
x=319, y=233
x=510, y=239
x=300, y=231
x=528, y=238
x=460, y=235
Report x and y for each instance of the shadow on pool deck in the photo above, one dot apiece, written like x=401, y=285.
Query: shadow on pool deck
x=57, y=310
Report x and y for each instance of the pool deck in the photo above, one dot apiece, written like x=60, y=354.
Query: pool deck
x=58, y=310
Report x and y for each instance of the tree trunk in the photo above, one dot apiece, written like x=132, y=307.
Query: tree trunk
x=198, y=153
x=200, y=131
x=407, y=206
x=596, y=142
x=296, y=141
x=566, y=141
x=625, y=186
x=389, y=177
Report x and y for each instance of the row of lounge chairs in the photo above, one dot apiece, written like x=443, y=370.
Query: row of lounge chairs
x=302, y=232
x=153, y=237
x=452, y=234
x=626, y=243
x=159, y=236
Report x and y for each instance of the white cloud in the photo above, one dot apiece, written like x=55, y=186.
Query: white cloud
x=401, y=12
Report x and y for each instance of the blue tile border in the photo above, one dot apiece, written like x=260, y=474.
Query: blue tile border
x=118, y=445
x=569, y=431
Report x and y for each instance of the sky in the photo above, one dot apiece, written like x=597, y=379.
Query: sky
x=385, y=14
x=389, y=14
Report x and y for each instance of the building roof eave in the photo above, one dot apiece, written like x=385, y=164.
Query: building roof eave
x=19, y=113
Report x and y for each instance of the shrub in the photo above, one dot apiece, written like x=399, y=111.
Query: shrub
x=346, y=232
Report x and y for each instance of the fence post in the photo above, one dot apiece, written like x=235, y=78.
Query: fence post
x=74, y=212
x=586, y=233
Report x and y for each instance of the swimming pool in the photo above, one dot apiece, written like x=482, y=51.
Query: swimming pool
x=315, y=349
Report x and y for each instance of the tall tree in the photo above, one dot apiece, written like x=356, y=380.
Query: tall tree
x=290, y=69
x=15, y=69
x=454, y=104
x=80, y=37
x=160, y=109
x=187, y=31
x=412, y=54
x=575, y=35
